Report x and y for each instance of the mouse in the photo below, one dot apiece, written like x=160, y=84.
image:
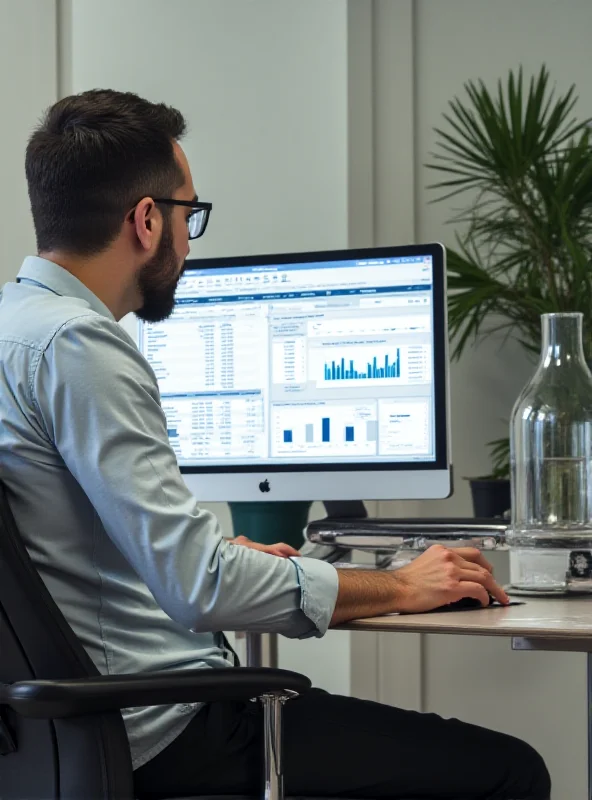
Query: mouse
x=465, y=604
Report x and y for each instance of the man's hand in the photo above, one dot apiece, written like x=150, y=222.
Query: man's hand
x=441, y=576
x=282, y=550
x=435, y=578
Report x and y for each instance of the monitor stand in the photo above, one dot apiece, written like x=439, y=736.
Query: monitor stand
x=345, y=509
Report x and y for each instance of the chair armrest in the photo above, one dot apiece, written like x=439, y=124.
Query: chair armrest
x=95, y=695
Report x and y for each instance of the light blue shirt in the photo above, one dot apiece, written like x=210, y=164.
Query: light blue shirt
x=141, y=573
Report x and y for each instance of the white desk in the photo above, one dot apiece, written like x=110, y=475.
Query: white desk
x=551, y=624
x=540, y=624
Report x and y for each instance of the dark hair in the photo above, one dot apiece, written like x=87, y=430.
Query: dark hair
x=92, y=158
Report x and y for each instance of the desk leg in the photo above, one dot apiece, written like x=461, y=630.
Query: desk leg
x=273, y=651
x=254, y=650
x=257, y=643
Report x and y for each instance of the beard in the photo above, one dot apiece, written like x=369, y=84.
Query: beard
x=158, y=280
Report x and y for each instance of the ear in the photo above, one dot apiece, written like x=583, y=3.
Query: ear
x=147, y=222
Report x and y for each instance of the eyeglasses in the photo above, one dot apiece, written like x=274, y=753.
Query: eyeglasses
x=197, y=221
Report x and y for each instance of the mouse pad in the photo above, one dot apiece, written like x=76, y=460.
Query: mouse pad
x=461, y=605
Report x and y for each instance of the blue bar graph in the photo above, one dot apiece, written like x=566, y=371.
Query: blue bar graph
x=287, y=436
x=326, y=429
x=337, y=371
x=349, y=433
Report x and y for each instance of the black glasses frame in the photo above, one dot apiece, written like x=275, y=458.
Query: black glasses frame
x=196, y=205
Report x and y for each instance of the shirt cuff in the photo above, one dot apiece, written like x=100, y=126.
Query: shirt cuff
x=319, y=585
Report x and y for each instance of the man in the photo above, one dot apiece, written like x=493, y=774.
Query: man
x=143, y=575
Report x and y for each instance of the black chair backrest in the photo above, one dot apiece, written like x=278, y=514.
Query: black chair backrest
x=84, y=757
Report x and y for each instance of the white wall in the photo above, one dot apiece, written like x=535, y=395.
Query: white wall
x=539, y=696
x=263, y=86
x=27, y=86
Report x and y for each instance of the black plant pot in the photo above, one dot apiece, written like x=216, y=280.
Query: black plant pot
x=491, y=497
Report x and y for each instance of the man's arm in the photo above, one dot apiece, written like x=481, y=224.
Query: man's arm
x=437, y=577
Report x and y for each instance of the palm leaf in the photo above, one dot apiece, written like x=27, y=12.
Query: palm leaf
x=522, y=163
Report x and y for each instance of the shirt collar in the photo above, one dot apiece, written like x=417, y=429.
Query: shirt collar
x=58, y=280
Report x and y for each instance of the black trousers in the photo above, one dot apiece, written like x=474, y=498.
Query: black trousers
x=342, y=747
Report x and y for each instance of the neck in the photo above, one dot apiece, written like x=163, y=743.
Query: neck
x=562, y=339
x=103, y=275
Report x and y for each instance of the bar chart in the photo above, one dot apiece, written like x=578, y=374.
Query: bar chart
x=340, y=428
x=349, y=432
x=336, y=366
x=347, y=370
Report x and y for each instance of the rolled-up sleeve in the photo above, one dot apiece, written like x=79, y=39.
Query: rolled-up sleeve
x=99, y=402
x=318, y=593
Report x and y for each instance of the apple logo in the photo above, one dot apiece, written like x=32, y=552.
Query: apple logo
x=264, y=486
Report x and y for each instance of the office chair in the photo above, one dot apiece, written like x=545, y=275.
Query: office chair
x=62, y=735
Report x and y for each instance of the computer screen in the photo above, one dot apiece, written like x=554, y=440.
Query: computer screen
x=307, y=376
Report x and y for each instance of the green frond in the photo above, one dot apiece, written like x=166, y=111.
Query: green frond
x=520, y=161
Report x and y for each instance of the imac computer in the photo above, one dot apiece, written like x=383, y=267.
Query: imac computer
x=308, y=376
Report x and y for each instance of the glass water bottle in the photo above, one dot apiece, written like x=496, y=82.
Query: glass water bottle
x=551, y=459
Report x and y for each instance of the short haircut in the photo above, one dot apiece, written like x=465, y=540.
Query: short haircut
x=91, y=159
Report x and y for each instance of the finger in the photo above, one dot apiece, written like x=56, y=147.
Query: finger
x=275, y=550
x=278, y=550
x=480, y=576
x=475, y=569
x=286, y=550
x=474, y=556
x=486, y=580
x=262, y=548
x=462, y=563
x=496, y=591
x=474, y=590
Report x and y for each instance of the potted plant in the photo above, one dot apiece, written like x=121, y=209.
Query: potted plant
x=491, y=493
x=522, y=165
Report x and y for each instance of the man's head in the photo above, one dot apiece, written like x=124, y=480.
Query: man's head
x=95, y=166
